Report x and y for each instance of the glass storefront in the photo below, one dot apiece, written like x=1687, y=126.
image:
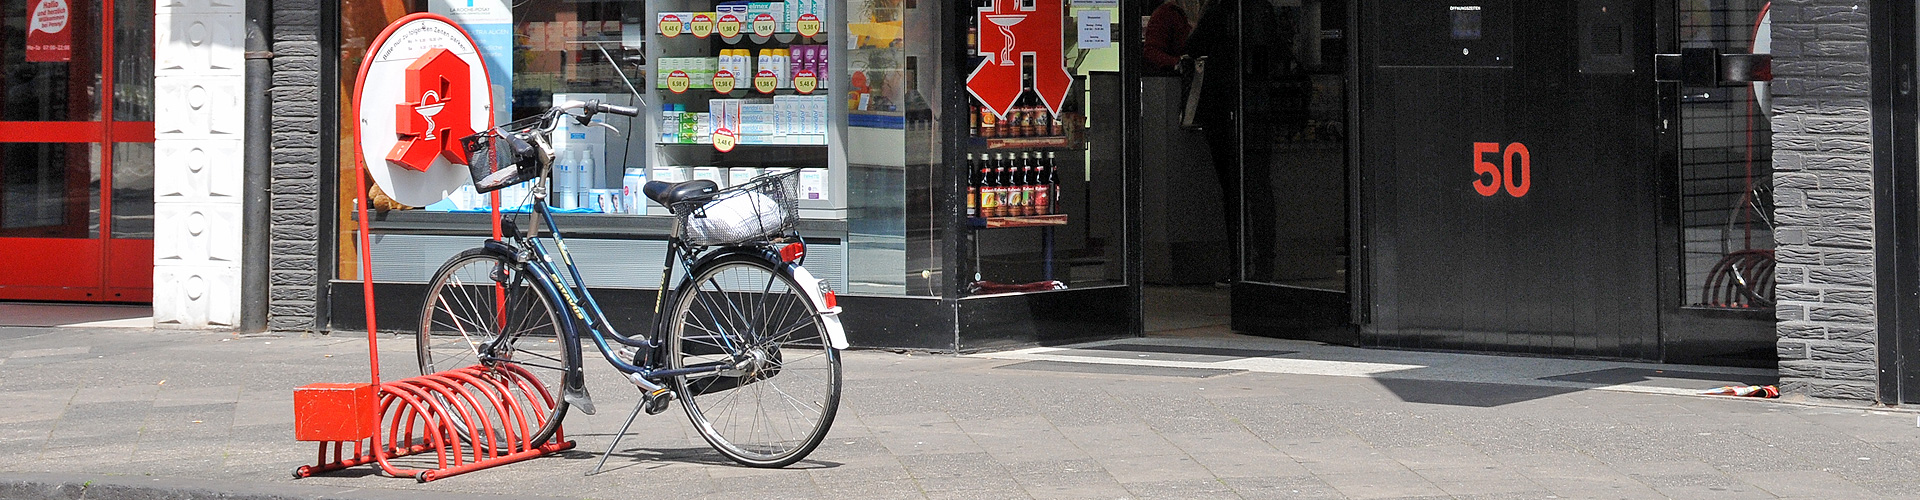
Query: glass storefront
x=863, y=97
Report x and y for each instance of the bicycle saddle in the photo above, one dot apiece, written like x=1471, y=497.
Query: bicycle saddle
x=670, y=193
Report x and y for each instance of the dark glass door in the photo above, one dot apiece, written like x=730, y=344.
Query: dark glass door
x=76, y=161
x=1720, y=257
x=1273, y=106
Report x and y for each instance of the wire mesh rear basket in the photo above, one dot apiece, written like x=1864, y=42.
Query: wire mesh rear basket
x=760, y=209
x=502, y=156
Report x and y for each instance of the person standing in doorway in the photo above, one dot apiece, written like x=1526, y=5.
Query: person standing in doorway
x=1235, y=116
x=1167, y=31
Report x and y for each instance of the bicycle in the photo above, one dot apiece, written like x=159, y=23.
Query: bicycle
x=750, y=347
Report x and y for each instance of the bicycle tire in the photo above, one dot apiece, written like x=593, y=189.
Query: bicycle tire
x=464, y=310
x=742, y=306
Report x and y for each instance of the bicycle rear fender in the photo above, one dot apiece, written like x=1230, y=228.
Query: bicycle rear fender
x=829, y=317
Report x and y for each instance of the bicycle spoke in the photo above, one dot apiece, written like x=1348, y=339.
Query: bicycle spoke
x=509, y=317
x=750, y=312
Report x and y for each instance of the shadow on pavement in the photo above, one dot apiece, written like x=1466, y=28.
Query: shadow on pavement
x=1475, y=394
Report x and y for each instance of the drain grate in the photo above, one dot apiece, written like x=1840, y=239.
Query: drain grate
x=1114, y=369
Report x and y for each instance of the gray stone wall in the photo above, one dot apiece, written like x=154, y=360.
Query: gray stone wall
x=1823, y=192
x=295, y=268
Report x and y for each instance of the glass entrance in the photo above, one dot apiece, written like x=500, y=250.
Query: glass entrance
x=76, y=161
x=1724, y=312
x=1272, y=102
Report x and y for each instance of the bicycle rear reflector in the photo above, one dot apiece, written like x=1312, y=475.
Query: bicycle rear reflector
x=793, y=252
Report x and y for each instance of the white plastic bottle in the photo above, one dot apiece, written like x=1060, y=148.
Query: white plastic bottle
x=564, y=191
x=585, y=171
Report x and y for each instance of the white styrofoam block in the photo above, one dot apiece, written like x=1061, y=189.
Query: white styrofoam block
x=199, y=44
x=198, y=107
x=196, y=297
x=200, y=6
x=196, y=234
x=198, y=171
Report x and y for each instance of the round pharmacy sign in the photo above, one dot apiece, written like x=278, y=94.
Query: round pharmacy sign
x=422, y=87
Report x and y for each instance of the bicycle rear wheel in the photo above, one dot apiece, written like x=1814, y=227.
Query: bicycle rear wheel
x=478, y=296
x=779, y=386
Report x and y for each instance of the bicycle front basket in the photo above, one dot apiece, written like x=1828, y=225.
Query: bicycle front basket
x=501, y=157
x=759, y=209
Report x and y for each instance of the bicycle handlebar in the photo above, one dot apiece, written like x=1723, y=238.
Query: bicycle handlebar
x=618, y=110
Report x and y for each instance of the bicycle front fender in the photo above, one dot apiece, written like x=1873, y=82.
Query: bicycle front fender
x=829, y=317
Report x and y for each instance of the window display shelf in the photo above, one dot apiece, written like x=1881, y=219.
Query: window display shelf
x=742, y=146
x=1018, y=221
x=586, y=225
x=1054, y=142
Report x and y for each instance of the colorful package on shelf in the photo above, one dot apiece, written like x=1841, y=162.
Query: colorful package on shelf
x=758, y=121
x=740, y=175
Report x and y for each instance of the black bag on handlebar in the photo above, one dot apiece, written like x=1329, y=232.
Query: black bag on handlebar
x=502, y=156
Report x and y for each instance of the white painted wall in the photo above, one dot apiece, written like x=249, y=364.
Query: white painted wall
x=199, y=87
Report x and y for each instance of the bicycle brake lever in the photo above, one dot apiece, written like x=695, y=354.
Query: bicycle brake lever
x=615, y=130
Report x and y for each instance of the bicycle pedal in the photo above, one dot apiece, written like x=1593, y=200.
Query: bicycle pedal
x=657, y=401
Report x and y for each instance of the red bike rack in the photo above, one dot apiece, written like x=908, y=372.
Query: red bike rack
x=468, y=417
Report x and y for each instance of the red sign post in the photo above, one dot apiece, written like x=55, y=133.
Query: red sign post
x=1008, y=34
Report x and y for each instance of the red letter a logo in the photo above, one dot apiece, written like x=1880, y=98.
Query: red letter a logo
x=437, y=112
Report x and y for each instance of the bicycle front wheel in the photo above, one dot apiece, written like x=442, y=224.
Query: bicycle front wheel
x=478, y=297
x=777, y=386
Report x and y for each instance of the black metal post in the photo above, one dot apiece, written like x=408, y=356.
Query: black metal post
x=1896, y=110
x=952, y=121
x=256, y=221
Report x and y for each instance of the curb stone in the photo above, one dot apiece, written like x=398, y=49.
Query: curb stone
x=94, y=486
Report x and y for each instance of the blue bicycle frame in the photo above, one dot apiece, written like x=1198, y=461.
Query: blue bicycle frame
x=578, y=302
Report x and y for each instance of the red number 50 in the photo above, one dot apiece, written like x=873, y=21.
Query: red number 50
x=1489, y=180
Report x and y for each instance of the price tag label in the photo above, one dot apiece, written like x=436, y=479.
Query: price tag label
x=766, y=82
x=728, y=26
x=808, y=25
x=724, y=140
x=805, y=82
x=671, y=26
x=701, y=26
x=723, y=82
x=763, y=25
x=678, y=81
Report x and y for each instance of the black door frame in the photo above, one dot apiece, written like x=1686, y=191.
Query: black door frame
x=1896, y=194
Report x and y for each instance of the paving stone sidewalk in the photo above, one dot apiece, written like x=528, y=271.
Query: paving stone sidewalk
x=136, y=413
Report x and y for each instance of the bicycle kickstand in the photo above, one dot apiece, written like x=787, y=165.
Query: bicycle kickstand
x=637, y=406
x=653, y=404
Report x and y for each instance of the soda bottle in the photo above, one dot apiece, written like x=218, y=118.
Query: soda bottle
x=991, y=195
x=1024, y=177
x=1053, y=182
x=973, y=188
x=1043, y=195
x=1016, y=188
x=973, y=120
x=988, y=123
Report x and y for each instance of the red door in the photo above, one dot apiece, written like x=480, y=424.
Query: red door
x=76, y=150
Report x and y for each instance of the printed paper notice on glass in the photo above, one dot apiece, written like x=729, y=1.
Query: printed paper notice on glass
x=1096, y=29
